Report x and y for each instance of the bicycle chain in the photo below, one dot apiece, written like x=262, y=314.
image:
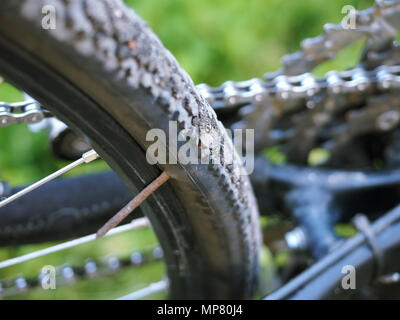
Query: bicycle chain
x=233, y=94
x=291, y=88
x=279, y=100
x=28, y=112
x=68, y=274
x=378, y=23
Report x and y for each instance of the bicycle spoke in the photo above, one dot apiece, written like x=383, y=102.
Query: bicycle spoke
x=135, y=224
x=86, y=158
x=150, y=289
x=133, y=204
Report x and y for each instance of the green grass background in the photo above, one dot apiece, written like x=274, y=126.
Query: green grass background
x=214, y=40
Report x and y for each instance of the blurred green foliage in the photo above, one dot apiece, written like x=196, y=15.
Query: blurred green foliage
x=219, y=40
x=214, y=40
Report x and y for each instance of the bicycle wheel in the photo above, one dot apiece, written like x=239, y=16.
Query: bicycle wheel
x=104, y=73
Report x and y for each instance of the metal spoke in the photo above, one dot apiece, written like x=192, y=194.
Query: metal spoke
x=135, y=224
x=86, y=158
x=31, y=112
x=133, y=204
x=150, y=289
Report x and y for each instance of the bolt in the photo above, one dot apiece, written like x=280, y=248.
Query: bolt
x=296, y=239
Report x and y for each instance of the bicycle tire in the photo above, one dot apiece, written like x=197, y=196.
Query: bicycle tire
x=99, y=72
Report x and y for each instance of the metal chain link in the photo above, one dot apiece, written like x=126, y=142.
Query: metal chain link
x=376, y=23
x=279, y=100
x=288, y=88
x=68, y=274
x=28, y=112
x=233, y=94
